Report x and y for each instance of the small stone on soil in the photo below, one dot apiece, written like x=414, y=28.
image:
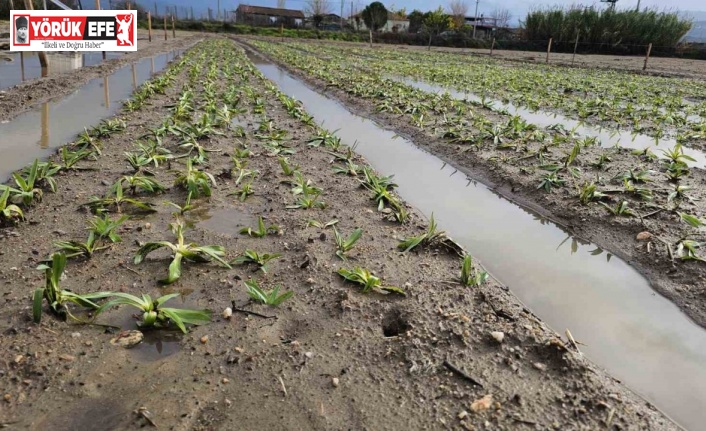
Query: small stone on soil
x=228, y=313
x=335, y=382
x=540, y=366
x=643, y=236
x=204, y=339
x=498, y=336
x=482, y=404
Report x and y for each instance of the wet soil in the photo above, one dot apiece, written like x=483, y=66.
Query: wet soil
x=658, y=66
x=22, y=97
x=683, y=282
x=331, y=357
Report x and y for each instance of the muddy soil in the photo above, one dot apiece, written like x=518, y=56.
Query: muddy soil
x=659, y=66
x=331, y=357
x=23, y=97
x=680, y=281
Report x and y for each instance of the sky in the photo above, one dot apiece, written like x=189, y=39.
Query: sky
x=517, y=8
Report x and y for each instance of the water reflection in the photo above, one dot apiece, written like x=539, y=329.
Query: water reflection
x=638, y=336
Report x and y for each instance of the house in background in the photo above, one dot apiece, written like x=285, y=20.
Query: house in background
x=268, y=16
x=485, y=26
x=395, y=23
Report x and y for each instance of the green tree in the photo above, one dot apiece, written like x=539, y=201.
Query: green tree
x=375, y=16
x=415, y=21
x=434, y=23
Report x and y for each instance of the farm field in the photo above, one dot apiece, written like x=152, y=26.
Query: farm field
x=298, y=288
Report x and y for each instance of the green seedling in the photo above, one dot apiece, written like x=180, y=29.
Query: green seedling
x=194, y=181
x=325, y=138
x=549, y=180
x=251, y=256
x=104, y=227
x=469, y=275
x=261, y=230
x=71, y=158
x=687, y=250
x=154, y=315
x=244, y=191
x=321, y=225
x=366, y=279
x=100, y=205
x=428, y=237
x=644, y=193
x=241, y=153
x=271, y=298
x=181, y=250
x=45, y=174
x=676, y=155
x=287, y=169
x=138, y=183
x=181, y=209
x=344, y=245
x=588, y=193
x=349, y=168
x=27, y=191
x=303, y=186
x=57, y=298
x=9, y=213
x=308, y=201
x=679, y=194
x=691, y=220
x=621, y=209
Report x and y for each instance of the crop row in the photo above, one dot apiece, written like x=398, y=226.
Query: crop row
x=635, y=187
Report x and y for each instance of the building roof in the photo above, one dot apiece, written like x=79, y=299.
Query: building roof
x=270, y=11
x=390, y=16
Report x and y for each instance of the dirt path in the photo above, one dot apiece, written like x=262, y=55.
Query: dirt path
x=332, y=357
x=23, y=97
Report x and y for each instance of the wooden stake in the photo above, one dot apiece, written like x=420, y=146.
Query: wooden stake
x=576, y=45
x=492, y=47
x=647, y=57
x=44, y=140
x=42, y=55
x=549, y=48
x=173, y=28
x=22, y=64
x=165, y=27
x=106, y=92
x=281, y=30
x=149, y=24
x=371, y=37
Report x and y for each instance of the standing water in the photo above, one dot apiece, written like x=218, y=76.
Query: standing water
x=637, y=335
x=37, y=133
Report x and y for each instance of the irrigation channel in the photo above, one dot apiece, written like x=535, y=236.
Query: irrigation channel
x=607, y=136
x=16, y=67
x=37, y=133
x=637, y=335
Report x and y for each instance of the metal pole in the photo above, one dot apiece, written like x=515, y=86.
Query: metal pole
x=475, y=20
x=149, y=24
x=492, y=46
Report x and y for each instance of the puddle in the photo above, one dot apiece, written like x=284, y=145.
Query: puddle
x=87, y=414
x=608, y=137
x=16, y=67
x=226, y=221
x=157, y=344
x=35, y=134
x=637, y=335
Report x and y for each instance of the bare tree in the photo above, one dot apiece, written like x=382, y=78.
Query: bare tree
x=502, y=17
x=458, y=10
x=317, y=7
x=281, y=4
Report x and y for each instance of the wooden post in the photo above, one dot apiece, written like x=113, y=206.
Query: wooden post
x=165, y=27
x=492, y=47
x=549, y=49
x=281, y=30
x=149, y=25
x=22, y=65
x=173, y=28
x=12, y=5
x=106, y=92
x=576, y=45
x=371, y=37
x=134, y=77
x=42, y=55
x=647, y=57
x=44, y=140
